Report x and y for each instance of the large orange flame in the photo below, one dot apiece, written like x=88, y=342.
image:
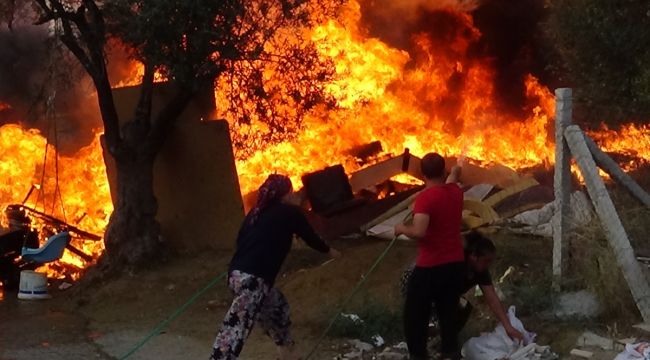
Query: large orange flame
x=82, y=182
x=631, y=140
x=401, y=99
x=381, y=99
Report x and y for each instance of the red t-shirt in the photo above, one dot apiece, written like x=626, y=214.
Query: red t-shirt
x=442, y=243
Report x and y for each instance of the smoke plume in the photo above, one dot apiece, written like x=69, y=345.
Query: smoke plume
x=35, y=71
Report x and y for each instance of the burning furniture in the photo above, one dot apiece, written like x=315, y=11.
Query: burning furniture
x=19, y=248
x=52, y=250
x=329, y=191
x=373, y=199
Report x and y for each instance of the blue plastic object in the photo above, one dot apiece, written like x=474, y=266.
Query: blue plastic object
x=52, y=250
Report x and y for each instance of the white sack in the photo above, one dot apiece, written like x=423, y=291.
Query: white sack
x=639, y=351
x=498, y=345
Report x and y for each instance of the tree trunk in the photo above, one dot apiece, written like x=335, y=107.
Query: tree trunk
x=133, y=235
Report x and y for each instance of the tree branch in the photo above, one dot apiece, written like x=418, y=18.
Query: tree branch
x=92, y=39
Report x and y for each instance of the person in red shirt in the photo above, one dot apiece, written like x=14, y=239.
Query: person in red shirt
x=439, y=273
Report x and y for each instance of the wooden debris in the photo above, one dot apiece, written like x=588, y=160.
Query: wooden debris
x=620, y=345
x=643, y=327
x=516, y=188
x=497, y=175
x=590, y=339
x=523, y=208
x=414, y=167
x=51, y=220
x=528, y=199
x=390, y=213
x=626, y=341
x=611, y=167
x=376, y=174
x=614, y=230
x=81, y=254
x=366, y=151
x=328, y=190
x=582, y=353
x=479, y=192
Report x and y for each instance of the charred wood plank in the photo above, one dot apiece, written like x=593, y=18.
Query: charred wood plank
x=366, y=151
x=62, y=224
x=376, y=174
x=81, y=254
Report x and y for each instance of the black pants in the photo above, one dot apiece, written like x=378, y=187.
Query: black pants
x=441, y=285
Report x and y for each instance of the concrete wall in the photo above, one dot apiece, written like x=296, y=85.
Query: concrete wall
x=195, y=179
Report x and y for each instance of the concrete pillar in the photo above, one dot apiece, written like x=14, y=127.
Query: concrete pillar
x=562, y=185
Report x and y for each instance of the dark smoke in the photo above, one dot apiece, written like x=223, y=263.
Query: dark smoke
x=511, y=36
x=508, y=40
x=21, y=66
x=395, y=22
x=33, y=68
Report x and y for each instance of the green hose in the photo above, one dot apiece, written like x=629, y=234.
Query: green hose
x=352, y=294
x=173, y=316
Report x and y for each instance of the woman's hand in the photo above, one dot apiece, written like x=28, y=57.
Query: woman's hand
x=514, y=333
x=334, y=253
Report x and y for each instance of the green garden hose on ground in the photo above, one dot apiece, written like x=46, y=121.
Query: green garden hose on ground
x=174, y=315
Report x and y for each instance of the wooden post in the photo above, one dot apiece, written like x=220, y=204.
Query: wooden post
x=611, y=167
x=614, y=231
x=562, y=184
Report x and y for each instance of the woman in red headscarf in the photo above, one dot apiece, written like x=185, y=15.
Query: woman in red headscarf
x=263, y=243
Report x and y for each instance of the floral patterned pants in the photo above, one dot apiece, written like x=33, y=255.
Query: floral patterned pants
x=254, y=301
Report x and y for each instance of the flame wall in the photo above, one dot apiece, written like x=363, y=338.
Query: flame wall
x=424, y=88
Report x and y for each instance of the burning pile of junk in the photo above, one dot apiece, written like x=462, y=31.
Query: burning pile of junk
x=34, y=239
x=402, y=97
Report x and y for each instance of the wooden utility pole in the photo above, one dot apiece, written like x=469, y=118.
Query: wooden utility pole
x=614, y=230
x=562, y=184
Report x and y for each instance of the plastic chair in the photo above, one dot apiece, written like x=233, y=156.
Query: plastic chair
x=52, y=250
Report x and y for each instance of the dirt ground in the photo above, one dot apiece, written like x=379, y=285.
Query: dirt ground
x=105, y=320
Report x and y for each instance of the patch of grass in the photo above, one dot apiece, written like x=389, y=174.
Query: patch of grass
x=594, y=267
x=529, y=285
x=634, y=216
x=376, y=319
x=531, y=298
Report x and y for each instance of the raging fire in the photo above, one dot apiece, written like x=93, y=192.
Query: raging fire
x=433, y=98
x=84, y=199
x=631, y=141
x=408, y=101
x=436, y=98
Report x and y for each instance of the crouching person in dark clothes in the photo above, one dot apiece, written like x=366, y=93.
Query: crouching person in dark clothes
x=263, y=243
x=480, y=253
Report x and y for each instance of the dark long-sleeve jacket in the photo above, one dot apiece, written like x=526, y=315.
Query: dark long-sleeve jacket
x=263, y=246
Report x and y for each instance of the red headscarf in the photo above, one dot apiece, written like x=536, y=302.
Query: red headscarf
x=274, y=188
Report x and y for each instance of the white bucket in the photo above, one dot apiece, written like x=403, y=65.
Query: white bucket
x=33, y=286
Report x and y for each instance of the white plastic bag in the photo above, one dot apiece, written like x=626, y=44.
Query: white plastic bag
x=639, y=351
x=498, y=345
